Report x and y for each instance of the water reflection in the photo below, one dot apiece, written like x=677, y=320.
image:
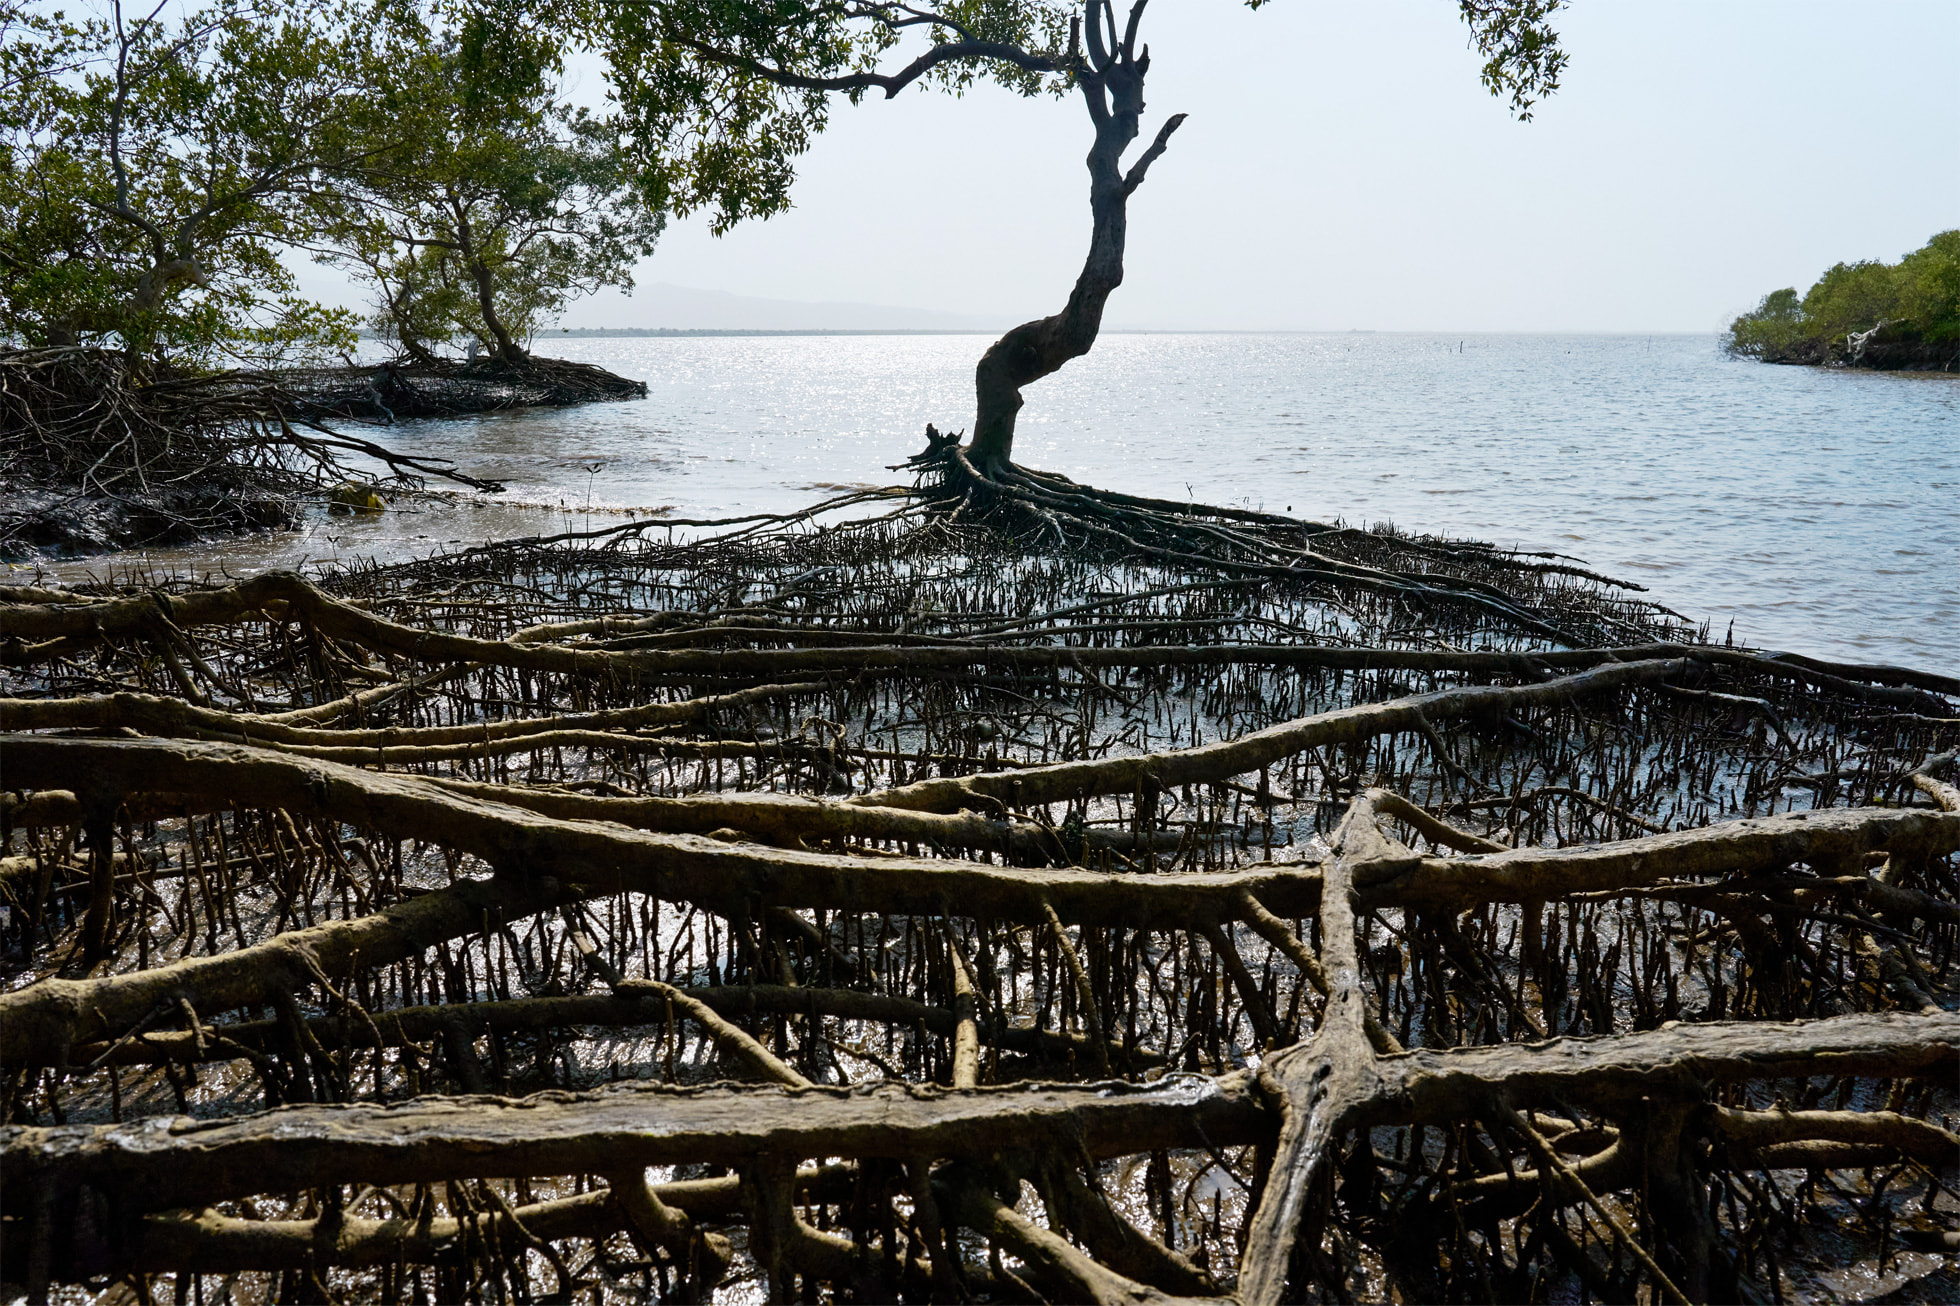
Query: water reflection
x=1814, y=509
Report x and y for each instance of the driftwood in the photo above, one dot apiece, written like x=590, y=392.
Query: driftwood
x=1029, y=891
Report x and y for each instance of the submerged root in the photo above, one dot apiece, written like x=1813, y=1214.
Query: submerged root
x=1030, y=892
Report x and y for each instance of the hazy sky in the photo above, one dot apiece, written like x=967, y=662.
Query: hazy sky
x=1342, y=167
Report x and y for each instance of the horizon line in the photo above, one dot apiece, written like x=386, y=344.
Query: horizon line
x=631, y=332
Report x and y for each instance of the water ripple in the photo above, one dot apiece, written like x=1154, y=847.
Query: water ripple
x=1814, y=509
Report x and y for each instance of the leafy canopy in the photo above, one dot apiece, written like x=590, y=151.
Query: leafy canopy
x=722, y=96
x=156, y=167
x=1915, y=299
x=497, y=204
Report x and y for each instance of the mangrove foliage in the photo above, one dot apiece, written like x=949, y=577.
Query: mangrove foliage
x=1865, y=314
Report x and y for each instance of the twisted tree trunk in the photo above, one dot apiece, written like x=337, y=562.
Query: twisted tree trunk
x=484, y=281
x=405, y=334
x=1112, y=86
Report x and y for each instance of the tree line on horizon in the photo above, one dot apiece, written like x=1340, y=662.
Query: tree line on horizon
x=1904, y=314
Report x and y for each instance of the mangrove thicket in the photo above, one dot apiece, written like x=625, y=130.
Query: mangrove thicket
x=1865, y=314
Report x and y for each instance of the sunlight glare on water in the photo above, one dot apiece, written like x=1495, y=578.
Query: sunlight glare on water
x=1817, y=509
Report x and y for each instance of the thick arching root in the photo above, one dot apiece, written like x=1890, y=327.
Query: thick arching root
x=1215, y=906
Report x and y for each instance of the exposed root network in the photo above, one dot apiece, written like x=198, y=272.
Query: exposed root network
x=94, y=456
x=1022, y=892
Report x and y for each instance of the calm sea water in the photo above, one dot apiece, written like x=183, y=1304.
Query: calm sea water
x=1818, y=511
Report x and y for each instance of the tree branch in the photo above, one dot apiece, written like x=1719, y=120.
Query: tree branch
x=1135, y=176
x=890, y=83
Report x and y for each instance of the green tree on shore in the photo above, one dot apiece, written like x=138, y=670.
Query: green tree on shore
x=497, y=205
x=155, y=170
x=158, y=170
x=1894, y=314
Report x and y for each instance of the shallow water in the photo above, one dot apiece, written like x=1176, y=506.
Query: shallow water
x=1815, y=510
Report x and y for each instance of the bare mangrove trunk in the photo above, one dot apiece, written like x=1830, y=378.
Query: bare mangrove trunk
x=1112, y=87
x=405, y=334
x=508, y=350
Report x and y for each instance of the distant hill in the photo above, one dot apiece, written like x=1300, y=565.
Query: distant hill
x=663, y=306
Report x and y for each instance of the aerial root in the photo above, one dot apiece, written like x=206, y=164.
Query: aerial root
x=129, y=458
x=566, y=860
x=1216, y=906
